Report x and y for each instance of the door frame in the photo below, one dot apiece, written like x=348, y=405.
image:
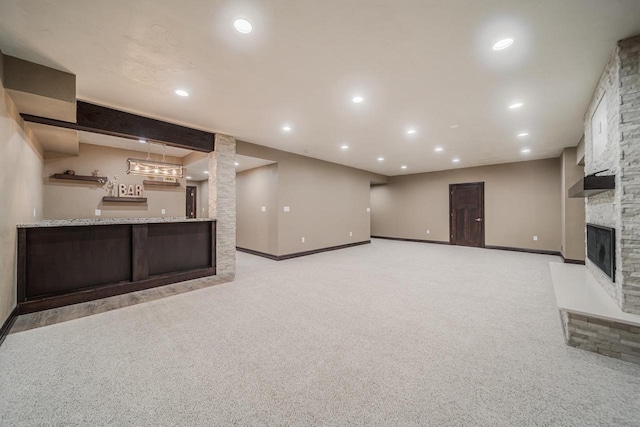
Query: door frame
x=451, y=186
x=195, y=200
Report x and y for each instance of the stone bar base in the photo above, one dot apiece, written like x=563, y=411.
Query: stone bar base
x=613, y=339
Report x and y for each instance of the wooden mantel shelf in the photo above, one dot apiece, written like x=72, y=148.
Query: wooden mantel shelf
x=124, y=199
x=99, y=179
x=591, y=185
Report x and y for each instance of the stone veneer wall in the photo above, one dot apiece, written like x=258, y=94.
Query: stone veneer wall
x=613, y=339
x=222, y=202
x=619, y=89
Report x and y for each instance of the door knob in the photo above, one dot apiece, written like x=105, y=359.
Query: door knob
x=478, y=219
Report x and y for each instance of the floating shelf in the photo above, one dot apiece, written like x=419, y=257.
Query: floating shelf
x=148, y=182
x=124, y=199
x=592, y=185
x=80, y=177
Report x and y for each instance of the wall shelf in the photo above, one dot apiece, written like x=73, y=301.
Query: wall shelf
x=592, y=185
x=99, y=179
x=124, y=199
x=151, y=183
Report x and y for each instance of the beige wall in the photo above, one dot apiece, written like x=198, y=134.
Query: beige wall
x=327, y=201
x=255, y=189
x=572, y=209
x=521, y=201
x=69, y=199
x=21, y=190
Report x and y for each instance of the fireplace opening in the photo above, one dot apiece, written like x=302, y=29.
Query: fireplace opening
x=601, y=248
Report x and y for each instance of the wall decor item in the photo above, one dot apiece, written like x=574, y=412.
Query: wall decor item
x=130, y=190
x=94, y=173
x=70, y=172
x=599, y=129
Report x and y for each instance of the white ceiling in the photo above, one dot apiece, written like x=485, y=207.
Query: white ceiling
x=426, y=64
x=196, y=170
x=130, y=144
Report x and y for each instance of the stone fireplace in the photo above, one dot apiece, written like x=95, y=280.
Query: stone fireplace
x=612, y=144
x=601, y=249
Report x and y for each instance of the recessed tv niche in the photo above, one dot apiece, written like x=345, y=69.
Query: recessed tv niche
x=601, y=248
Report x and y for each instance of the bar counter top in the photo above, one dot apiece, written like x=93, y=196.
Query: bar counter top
x=107, y=221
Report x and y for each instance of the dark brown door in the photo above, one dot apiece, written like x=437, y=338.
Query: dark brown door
x=466, y=204
x=192, y=194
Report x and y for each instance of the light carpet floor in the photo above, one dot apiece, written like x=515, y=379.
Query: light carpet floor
x=391, y=333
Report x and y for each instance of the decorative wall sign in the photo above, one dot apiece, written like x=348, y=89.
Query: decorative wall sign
x=599, y=129
x=130, y=190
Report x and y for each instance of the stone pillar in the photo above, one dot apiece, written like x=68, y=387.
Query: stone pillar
x=222, y=202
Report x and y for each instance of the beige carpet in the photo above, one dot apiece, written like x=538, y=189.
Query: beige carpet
x=391, y=333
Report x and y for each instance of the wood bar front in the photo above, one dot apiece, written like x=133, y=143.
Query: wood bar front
x=64, y=265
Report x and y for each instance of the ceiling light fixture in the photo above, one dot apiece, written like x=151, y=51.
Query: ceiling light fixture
x=151, y=168
x=357, y=99
x=411, y=131
x=403, y=167
x=523, y=134
x=206, y=172
x=142, y=141
x=456, y=160
x=286, y=128
x=503, y=44
x=345, y=147
x=515, y=105
x=525, y=150
x=242, y=26
x=236, y=164
x=181, y=92
x=438, y=149
x=188, y=177
x=381, y=159
x=454, y=126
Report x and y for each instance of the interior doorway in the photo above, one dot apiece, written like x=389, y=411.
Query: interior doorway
x=192, y=196
x=466, y=207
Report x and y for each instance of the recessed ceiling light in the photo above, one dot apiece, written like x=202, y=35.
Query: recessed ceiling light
x=515, y=105
x=181, y=92
x=456, y=160
x=523, y=134
x=438, y=149
x=207, y=172
x=381, y=159
x=403, y=167
x=237, y=164
x=188, y=177
x=525, y=150
x=454, y=126
x=286, y=128
x=502, y=44
x=411, y=131
x=357, y=99
x=243, y=26
x=142, y=141
x=344, y=147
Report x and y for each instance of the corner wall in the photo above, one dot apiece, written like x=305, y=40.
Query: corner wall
x=326, y=201
x=521, y=201
x=21, y=166
x=572, y=246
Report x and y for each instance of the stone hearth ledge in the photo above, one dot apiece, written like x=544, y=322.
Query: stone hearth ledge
x=107, y=221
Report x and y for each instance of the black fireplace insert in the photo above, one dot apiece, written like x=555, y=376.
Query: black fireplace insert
x=601, y=248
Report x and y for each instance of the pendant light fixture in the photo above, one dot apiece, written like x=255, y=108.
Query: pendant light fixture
x=149, y=167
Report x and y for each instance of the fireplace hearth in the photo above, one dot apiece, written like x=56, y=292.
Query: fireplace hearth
x=601, y=248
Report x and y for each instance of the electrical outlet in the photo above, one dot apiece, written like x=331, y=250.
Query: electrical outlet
x=163, y=211
x=535, y=238
x=286, y=208
x=263, y=209
x=34, y=212
x=368, y=209
x=428, y=231
x=302, y=240
x=98, y=212
x=351, y=234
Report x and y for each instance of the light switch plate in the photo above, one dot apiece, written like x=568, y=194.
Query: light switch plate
x=535, y=238
x=98, y=212
x=286, y=208
x=302, y=240
x=163, y=211
x=368, y=209
x=351, y=234
x=263, y=209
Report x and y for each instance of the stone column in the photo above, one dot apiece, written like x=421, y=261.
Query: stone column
x=222, y=202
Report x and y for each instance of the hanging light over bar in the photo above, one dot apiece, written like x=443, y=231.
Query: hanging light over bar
x=151, y=168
